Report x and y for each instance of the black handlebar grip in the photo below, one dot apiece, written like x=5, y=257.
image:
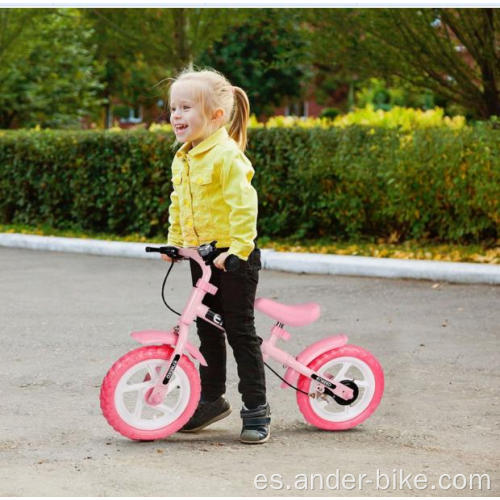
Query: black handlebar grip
x=172, y=252
x=232, y=263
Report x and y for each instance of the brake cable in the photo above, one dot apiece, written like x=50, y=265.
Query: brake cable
x=163, y=291
x=286, y=382
x=178, y=314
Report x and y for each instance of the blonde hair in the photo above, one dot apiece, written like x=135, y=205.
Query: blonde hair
x=213, y=90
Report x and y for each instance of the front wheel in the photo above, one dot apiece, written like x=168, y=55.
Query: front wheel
x=352, y=366
x=125, y=390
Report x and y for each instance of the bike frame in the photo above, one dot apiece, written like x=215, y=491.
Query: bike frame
x=195, y=309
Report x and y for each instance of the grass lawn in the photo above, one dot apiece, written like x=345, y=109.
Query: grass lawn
x=485, y=253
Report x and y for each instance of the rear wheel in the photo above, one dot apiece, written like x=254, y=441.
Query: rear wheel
x=354, y=367
x=129, y=382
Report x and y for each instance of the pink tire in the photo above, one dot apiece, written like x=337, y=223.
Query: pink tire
x=131, y=379
x=349, y=362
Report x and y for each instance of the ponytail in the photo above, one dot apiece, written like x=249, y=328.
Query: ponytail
x=239, y=118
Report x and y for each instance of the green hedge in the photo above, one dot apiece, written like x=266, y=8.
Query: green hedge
x=353, y=182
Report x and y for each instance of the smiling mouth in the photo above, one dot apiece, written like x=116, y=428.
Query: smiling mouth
x=178, y=128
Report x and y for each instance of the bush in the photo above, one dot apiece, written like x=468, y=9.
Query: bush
x=434, y=183
x=96, y=181
x=330, y=113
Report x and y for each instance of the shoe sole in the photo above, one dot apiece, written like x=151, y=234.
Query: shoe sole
x=257, y=442
x=206, y=424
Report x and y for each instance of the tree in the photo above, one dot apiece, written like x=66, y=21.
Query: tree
x=265, y=55
x=47, y=74
x=118, y=36
x=141, y=48
x=453, y=52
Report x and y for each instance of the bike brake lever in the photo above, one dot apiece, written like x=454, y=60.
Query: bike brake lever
x=208, y=252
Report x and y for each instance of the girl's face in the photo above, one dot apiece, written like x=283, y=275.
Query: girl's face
x=186, y=115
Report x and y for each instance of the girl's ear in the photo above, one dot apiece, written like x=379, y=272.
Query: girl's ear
x=218, y=113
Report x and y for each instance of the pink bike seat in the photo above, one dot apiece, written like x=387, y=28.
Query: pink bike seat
x=296, y=315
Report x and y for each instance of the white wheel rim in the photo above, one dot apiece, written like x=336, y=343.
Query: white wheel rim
x=344, y=368
x=131, y=390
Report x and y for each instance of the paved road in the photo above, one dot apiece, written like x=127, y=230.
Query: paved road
x=66, y=318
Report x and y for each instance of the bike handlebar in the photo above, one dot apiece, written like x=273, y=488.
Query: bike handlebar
x=172, y=252
x=208, y=252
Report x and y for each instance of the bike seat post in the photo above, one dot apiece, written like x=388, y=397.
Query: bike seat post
x=269, y=348
x=278, y=332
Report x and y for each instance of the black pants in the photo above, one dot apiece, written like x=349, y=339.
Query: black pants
x=234, y=301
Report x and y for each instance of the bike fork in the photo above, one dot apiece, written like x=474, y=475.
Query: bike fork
x=160, y=389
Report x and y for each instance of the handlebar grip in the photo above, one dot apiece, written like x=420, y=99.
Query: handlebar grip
x=172, y=252
x=232, y=263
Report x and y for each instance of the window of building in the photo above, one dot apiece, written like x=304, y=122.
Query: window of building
x=300, y=109
x=134, y=115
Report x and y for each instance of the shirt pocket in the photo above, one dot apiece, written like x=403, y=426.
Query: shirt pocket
x=204, y=177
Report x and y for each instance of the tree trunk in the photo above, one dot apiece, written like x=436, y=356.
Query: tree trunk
x=108, y=117
x=181, y=38
x=108, y=112
x=6, y=120
x=491, y=101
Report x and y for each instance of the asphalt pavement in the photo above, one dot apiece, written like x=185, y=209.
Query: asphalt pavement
x=66, y=317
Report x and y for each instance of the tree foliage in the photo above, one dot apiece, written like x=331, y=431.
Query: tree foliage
x=57, y=65
x=48, y=76
x=453, y=52
x=265, y=55
x=140, y=48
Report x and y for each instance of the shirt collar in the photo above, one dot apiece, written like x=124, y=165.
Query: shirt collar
x=217, y=137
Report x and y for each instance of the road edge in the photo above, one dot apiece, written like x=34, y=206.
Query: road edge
x=455, y=272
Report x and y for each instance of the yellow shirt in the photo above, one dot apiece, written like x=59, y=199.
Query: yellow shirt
x=213, y=198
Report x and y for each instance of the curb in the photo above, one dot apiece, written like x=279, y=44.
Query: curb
x=455, y=272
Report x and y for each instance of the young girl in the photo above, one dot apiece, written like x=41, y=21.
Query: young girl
x=213, y=199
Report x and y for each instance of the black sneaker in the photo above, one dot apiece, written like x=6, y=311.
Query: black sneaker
x=207, y=413
x=256, y=424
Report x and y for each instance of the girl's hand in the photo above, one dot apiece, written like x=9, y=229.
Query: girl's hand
x=219, y=261
x=166, y=258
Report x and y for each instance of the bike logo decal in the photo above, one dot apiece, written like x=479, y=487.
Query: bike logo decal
x=323, y=381
x=168, y=376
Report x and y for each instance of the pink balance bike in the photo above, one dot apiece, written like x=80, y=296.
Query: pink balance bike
x=152, y=391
